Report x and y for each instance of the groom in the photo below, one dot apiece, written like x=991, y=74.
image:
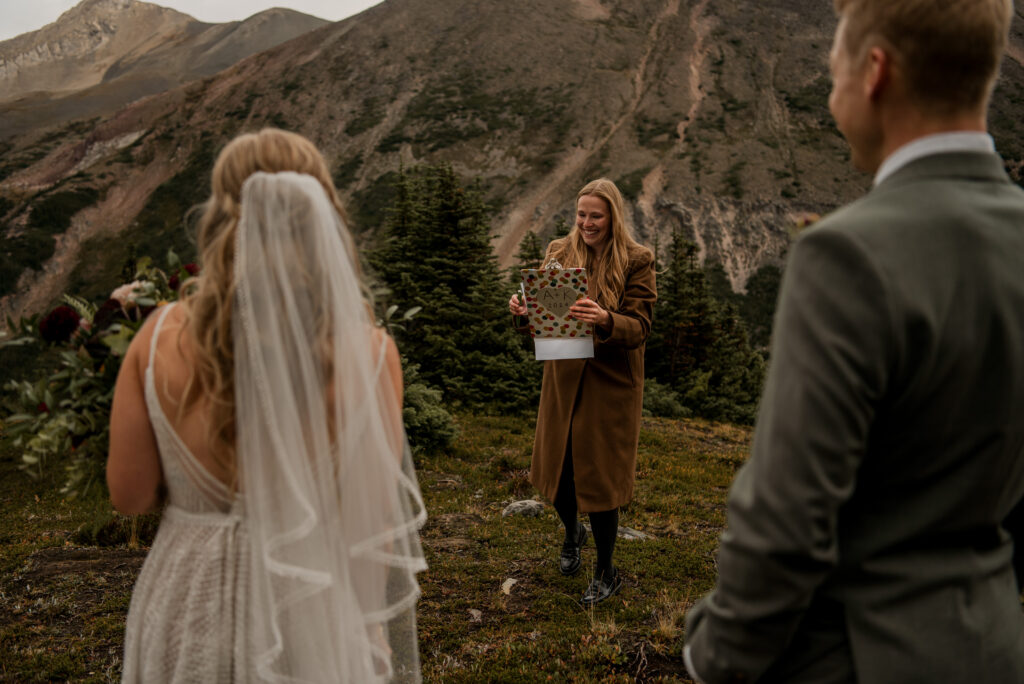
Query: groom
x=868, y=536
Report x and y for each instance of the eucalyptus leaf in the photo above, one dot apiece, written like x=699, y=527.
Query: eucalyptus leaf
x=119, y=340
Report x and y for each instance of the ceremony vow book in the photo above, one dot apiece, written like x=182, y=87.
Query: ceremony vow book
x=549, y=292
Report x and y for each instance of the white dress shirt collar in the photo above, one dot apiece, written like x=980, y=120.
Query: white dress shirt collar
x=960, y=141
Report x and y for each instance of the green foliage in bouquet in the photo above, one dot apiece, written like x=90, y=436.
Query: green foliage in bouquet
x=66, y=411
x=61, y=413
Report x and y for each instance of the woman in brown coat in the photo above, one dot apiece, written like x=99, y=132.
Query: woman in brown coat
x=588, y=424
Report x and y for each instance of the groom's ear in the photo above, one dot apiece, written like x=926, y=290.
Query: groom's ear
x=877, y=73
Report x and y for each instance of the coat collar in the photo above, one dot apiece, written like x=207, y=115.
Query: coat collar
x=980, y=166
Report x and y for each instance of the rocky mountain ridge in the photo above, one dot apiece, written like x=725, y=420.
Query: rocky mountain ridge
x=712, y=118
x=102, y=54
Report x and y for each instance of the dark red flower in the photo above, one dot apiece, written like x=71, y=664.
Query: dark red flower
x=175, y=279
x=42, y=408
x=108, y=313
x=59, y=324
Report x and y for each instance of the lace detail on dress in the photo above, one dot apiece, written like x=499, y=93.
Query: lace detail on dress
x=189, y=619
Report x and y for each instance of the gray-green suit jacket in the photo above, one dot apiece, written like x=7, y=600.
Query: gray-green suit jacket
x=865, y=537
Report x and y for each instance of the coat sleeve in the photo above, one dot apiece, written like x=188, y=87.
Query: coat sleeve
x=521, y=324
x=631, y=324
x=833, y=338
x=1014, y=524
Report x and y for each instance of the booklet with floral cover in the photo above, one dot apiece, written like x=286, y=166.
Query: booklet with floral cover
x=549, y=292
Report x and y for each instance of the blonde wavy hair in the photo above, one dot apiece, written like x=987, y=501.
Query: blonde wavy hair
x=209, y=299
x=607, y=273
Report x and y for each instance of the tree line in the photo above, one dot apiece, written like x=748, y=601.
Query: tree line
x=434, y=253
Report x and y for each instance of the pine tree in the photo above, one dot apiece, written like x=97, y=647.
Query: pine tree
x=561, y=227
x=529, y=255
x=735, y=373
x=758, y=305
x=390, y=259
x=683, y=330
x=698, y=346
x=436, y=253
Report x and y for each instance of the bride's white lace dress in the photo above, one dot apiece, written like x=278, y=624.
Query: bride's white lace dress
x=187, y=621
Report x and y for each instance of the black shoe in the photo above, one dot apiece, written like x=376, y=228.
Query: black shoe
x=569, y=560
x=603, y=586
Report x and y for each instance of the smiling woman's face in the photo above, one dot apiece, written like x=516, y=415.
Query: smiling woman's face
x=594, y=221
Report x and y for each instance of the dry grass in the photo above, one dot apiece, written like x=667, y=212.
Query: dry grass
x=63, y=604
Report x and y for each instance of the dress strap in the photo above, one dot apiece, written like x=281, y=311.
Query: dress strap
x=381, y=356
x=156, y=333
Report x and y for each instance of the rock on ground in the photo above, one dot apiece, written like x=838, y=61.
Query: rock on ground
x=527, y=507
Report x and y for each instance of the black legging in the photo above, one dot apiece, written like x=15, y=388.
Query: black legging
x=604, y=524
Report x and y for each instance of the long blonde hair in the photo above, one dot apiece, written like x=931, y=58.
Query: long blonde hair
x=209, y=299
x=607, y=274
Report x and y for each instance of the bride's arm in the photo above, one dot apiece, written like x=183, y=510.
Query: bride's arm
x=392, y=387
x=134, y=475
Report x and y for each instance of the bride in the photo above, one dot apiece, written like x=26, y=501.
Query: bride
x=265, y=409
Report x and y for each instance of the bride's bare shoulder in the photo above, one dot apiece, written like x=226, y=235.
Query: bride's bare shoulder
x=171, y=345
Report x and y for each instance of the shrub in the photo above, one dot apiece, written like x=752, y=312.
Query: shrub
x=368, y=117
x=661, y=401
x=632, y=183
x=428, y=426
x=348, y=171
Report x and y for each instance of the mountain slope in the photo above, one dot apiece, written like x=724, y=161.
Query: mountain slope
x=711, y=116
x=103, y=54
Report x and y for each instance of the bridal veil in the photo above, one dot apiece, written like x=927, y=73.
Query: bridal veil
x=324, y=470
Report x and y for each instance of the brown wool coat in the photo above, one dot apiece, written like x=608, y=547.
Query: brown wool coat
x=600, y=400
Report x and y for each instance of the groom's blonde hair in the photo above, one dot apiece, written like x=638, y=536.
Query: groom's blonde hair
x=948, y=50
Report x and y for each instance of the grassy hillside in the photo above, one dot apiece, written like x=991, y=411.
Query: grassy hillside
x=63, y=601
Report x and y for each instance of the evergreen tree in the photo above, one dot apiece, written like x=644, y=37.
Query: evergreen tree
x=683, y=330
x=721, y=286
x=698, y=346
x=436, y=253
x=758, y=306
x=561, y=227
x=390, y=259
x=733, y=374
x=529, y=255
